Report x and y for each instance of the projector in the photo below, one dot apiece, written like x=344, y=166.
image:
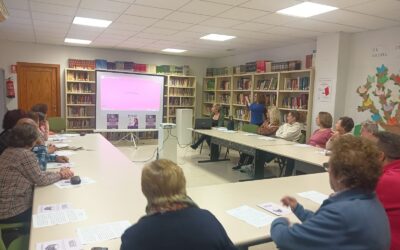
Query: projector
x=167, y=125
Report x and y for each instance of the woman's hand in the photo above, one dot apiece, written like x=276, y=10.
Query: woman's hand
x=62, y=159
x=66, y=173
x=51, y=149
x=289, y=201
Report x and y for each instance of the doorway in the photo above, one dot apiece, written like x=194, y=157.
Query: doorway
x=39, y=83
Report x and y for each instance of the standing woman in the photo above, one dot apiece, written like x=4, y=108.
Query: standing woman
x=320, y=136
x=216, y=113
x=257, y=110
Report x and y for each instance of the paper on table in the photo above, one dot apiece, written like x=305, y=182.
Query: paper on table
x=315, y=196
x=67, y=183
x=57, y=138
x=301, y=145
x=53, y=207
x=249, y=134
x=266, y=138
x=70, y=135
x=54, y=165
x=102, y=232
x=65, y=244
x=65, y=153
x=275, y=208
x=251, y=216
x=222, y=128
x=229, y=131
x=60, y=145
x=58, y=217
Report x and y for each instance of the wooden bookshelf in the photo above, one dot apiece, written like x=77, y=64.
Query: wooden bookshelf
x=287, y=90
x=80, y=99
x=179, y=92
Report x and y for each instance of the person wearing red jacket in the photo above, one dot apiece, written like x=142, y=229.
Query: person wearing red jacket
x=388, y=186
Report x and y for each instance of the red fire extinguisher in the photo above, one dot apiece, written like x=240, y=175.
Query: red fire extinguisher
x=10, y=88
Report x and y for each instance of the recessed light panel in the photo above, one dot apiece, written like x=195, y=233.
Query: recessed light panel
x=306, y=9
x=217, y=37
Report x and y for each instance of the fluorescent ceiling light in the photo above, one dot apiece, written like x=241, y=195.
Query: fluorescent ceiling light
x=174, y=50
x=216, y=37
x=78, y=41
x=306, y=9
x=91, y=22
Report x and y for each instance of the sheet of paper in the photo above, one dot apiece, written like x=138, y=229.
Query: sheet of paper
x=53, y=207
x=251, y=216
x=70, y=135
x=222, y=129
x=301, y=145
x=229, y=131
x=58, y=217
x=314, y=196
x=65, y=244
x=55, y=165
x=60, y=145
x=266, y=138
x=249, y=134
x=102, y=232
x=57, y=138
x=67, y=183
x=65, y=153
x=275, y=208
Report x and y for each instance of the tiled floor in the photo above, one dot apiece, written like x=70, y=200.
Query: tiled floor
x=196, y=174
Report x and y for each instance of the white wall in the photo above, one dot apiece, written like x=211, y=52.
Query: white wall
x=292, y=52
x=362, y=63
x=13, y=52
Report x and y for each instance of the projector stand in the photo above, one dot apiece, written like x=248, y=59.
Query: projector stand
x=131, y=137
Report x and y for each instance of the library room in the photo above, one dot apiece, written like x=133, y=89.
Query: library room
x=199, y=124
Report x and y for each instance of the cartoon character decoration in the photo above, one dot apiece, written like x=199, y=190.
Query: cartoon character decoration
x=380, y=88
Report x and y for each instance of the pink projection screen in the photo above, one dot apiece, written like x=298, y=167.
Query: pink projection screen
x=128, y=100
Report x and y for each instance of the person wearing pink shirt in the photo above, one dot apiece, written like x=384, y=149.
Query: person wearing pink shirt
x=324, y=132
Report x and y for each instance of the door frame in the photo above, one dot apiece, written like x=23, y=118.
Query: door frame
x=58, y=87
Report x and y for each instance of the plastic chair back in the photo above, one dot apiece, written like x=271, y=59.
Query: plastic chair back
x=57, y=124
x=250, y=128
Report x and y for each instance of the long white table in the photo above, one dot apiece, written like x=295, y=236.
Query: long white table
x=293, y=153
x=117, y=195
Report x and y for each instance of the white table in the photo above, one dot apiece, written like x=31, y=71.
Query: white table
x=130, y=133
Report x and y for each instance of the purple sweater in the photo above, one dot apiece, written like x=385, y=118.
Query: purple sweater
x=320, y=137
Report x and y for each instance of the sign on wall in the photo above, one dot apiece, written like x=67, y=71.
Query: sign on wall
x=324, y=89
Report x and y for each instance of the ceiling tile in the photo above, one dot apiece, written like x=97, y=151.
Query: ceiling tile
x=14, y=20
x=204, y=29
x=106, y=42
x=150, y=36
x=186, y=17
x=51, y=30
x=170, y=4
x=277, y=19
x=49, y=40
x=117, y=34
x=136, y=20
x=252, y=26
x=125, y=27
x=51, y=17
x=340, y=3
x=124, y=1
x=220, y=22
x=270, y=5
x=161, y=31
x=243, y=14
x=16, y=13
x=52, y=9
x=83, y=33
x=71, y=3
x=381, y=8
x=228, y=2
x=97, y=14
x=293, y=32
x=172, y=25
x=138, y=10
x=17, y=4
x=320, y=26
x=55, y=25
x=19, y=37
x=104, y=5
x=60, y=34
x=205, y=8
x=355, y=19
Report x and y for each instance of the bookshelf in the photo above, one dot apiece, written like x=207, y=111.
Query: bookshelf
x=209, y=85
x=287, y=90
x=179, y=92
x=80, y=99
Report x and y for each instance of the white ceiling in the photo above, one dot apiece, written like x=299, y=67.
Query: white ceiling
x=152, y=25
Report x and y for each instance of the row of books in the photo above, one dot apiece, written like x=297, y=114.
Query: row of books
x=210, y=84
x=209, y=97
x=242, y=113
x=224, y=98
x=221, y=71
x=295, y=102
x=80, y=76
x=81, y=124
x=241, y=98
x=299, y=83
x=80, y=111
x=81, y=64
x=285, y=66
x=81, y=99
x=267, y=84
x=173, y=69
x=80, y=87
x=224, y=85
x=270, y=99
x=181, y=82
x=181, y=92
x=250, y=67
x=243, y=84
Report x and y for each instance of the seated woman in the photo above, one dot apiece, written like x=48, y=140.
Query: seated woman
x=268, y=128
x=352, y=217
x=19, y=173
x=43, y=123
x=10, y=119
x=216, y=112
x=343, y=127
x=173, y=220
x=324, y=133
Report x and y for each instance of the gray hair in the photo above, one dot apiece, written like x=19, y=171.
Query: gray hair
x=370, y=126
